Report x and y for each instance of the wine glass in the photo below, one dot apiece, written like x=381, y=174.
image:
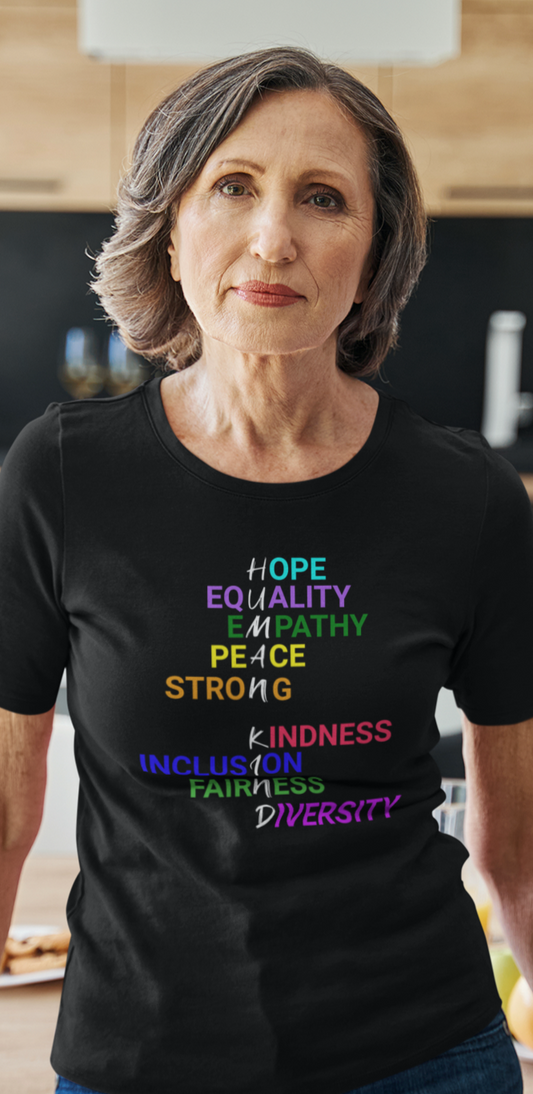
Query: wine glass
x=125, y=369
x=80, y=372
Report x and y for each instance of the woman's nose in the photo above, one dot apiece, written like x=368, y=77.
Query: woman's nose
x=272, y=238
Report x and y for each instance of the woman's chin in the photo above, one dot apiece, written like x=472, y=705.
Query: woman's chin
x=267, y=343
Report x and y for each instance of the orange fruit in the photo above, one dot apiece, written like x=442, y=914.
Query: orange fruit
x=519, y=1012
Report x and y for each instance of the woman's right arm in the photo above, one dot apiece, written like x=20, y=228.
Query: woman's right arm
x=24, y=740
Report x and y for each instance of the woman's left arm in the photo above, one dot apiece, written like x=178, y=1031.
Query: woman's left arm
x=499, y=825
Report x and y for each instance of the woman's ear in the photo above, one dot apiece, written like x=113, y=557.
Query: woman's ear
x=174, y=264
x=364, y=281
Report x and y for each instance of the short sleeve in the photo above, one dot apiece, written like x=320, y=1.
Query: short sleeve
x=492, y=670
x=33, y=622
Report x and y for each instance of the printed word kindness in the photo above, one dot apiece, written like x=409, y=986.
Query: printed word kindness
x=341, y=733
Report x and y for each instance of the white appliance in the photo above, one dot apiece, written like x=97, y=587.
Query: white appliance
x=505, y=407
x=386, y=32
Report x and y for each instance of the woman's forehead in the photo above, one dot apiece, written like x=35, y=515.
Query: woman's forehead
x=299, y=126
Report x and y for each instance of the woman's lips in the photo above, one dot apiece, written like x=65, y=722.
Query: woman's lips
x=270, y=296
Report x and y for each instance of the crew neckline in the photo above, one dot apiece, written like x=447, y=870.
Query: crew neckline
x=151, y=390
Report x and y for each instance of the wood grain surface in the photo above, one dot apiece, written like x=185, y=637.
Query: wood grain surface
x=28, y=1015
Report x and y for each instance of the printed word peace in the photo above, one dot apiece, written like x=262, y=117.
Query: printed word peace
x=279, y=655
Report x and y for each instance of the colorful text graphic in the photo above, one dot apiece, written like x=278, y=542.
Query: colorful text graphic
x=313, y=813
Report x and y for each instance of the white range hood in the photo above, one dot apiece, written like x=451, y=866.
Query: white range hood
x=386, y=32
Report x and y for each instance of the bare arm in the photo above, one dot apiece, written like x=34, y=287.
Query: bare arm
x=24, y=740
x=499, y=825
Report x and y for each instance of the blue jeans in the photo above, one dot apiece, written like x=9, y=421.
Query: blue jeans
x=484, y=1064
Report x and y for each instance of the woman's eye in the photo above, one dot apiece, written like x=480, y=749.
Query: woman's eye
x=231, y=189
x=325, y=201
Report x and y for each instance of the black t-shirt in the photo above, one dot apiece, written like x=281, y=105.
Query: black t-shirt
x=264, y=904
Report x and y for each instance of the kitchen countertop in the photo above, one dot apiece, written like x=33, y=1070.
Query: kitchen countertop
x=28, y=1014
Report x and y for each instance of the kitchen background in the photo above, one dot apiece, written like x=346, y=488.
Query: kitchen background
x=67, y=126
x=77, y=79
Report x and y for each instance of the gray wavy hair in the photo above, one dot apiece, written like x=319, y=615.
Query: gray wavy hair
x=133, y=278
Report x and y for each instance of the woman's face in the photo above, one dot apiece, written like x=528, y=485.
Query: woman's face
x=285, y=200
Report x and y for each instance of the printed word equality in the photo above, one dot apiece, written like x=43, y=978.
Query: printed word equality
x=308, y=596
x=312, y=813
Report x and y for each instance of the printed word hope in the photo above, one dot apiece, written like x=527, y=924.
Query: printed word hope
x=279, y=568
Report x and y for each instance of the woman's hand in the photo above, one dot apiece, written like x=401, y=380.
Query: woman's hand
x=24, y=740
x=499, y=825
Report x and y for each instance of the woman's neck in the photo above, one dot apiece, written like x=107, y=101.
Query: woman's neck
x=272, y=419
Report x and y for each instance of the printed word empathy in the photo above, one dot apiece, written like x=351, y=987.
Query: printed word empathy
x=317, y=625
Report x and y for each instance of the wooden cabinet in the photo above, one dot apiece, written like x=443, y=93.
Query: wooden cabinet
x=68, y=122
x=469, y=121
x=54, y=115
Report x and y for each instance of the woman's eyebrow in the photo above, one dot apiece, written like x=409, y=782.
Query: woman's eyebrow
x=313, y=172
x=241, y=163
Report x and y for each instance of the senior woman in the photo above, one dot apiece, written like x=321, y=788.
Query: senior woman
x=259, y=573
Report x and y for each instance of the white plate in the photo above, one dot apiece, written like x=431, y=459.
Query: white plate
x=20, y=932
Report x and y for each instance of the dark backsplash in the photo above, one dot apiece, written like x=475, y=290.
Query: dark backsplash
x=44, y=275
x=476, y=266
